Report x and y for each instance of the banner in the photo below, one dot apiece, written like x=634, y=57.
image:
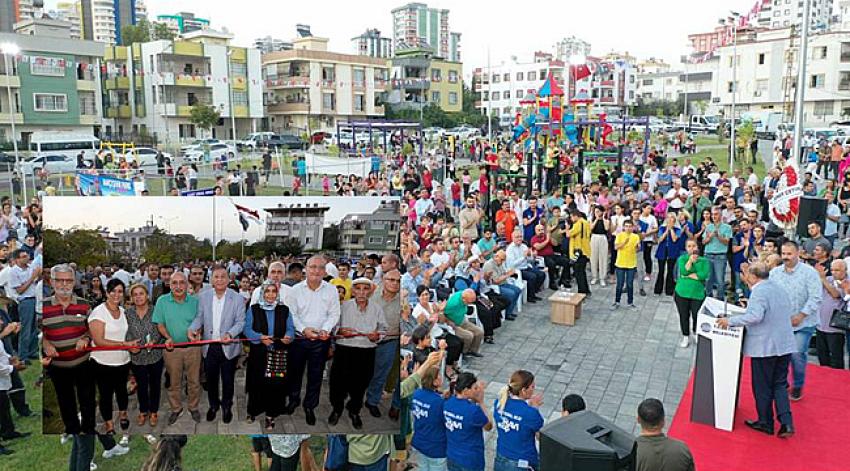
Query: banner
x=319, y=165
x=86, y=184
x=201, y=192
x=111, y=186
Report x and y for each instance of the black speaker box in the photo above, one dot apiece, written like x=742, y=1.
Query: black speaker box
x=811, y=210
x=584, y=441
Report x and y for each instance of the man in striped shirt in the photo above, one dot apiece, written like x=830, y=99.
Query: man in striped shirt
x=65, y=337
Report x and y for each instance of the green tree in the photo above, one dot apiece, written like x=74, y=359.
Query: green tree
x=204, y=116
x=290, y=246
x=159, y=248
x=161, y=31
x=85, y=247
x=330, y=238
x=744, y=136
x=701, y=105
x=137, y=33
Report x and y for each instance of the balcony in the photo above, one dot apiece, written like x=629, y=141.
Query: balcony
x=11, y=80
x=284, y=107
x=86, y=85
x=190, y=81
x=411, y=84
x=139, y=81
x=122, y=111
x=183, y=111
x=240, y=111
x=238, y=54
x=140, y=111
x=239, y=83
x=358, y=85
x=328, y=84
x=607, y=99
x=185, y=48
x=117, y=83
x=380, y=84
x=115, y=53
x=288, y=81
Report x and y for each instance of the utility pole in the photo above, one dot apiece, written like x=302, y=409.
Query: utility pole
x=801, y=82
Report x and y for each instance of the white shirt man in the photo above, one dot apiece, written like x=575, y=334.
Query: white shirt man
x=122, y=275
x=673, y=195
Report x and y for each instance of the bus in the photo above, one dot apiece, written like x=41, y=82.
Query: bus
x=63, y=143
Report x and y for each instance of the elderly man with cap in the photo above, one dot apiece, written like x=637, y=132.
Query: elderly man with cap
x=277, y=273
x=361, y=325
x=388, y=297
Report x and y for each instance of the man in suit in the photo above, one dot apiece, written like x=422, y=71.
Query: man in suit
x=221, y=316
x=769, y=343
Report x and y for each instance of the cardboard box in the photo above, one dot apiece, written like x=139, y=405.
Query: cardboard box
x=565, y=309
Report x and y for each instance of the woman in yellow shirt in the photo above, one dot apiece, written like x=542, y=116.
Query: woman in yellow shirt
x=626, y=244
x=579, y=235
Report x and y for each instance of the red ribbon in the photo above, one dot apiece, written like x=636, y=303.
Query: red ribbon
x=196, y=343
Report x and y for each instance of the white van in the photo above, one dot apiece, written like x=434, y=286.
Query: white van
x=254, y=139
x=63, y=143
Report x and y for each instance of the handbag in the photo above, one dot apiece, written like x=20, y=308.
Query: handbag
x=275, y=364
x=840, y=319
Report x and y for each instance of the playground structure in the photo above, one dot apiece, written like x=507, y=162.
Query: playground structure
x=375, y=128
x=544, y=118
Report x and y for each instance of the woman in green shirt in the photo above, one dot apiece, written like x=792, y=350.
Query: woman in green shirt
x=690, y=288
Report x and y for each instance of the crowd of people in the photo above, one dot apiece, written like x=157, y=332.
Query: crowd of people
x=105, y=326
x=474, y=250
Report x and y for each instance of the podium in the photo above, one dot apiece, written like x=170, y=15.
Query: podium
x=717, y=374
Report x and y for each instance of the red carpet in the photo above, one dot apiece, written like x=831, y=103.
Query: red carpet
x=821, y=422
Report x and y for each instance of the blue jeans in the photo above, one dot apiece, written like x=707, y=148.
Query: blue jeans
x=717, y=278
x=380, y=465
x=456, y=467
x=506, y=464
x=425, y=463
x=626, y=279
x=28, y=339
x=800, y=357
x=512, y=293
x=385, y=354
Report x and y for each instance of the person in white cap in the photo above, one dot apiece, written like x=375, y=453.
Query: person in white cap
x=354, y=356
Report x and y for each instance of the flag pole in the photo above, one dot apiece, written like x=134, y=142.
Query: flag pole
x=213, y=234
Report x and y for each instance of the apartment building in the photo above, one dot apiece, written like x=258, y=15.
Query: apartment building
x=372, y=44
x=302, y=221
x=312, y=88
x=767, y=75
x=102, y=20
x=55, y=85
x=375, y=232
x=418, y=79
x=183, y=22
x=783, y=13
x=70, y=12
x=150, y=88
x=417, y=26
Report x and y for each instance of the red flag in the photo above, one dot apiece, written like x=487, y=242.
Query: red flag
x=580, y=71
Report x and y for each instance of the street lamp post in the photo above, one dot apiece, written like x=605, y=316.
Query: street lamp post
x=233, y=117
x=732, y=145
x=801, y=82
x=10, y=50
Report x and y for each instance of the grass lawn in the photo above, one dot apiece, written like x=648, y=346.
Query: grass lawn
x=202, y=452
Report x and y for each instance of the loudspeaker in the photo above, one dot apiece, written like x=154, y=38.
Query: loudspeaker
x=811, y=210
x=584, y=441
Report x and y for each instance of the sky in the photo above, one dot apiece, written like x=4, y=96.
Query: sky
x=646, y=28
x=193, y=215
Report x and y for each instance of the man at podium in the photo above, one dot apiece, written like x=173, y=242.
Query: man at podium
x=769, y=343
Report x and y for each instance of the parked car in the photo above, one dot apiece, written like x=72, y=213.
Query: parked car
x=254, y=139
x=7, y=162
x=216, y=151
x=464, y=131
x=198, y=144
x=322, y=137
x=283, y=141
x=145, y=156
x=53, y=163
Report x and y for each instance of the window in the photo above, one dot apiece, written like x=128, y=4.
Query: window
x=820, y=52
x=542, y=74
x=359, y=102
x=453, y=76
x=328, y=102
x=496, y=96
x=506, y=95
x=824, y=108
x=49, y=66
x=761, y=58
x=761, y=85
x=532, y=76
x=328, y=73
x=452, y=98
x=497, y=78
x=647, y=82
x=373, y=240
x=506, y=77
x=359, y=76
x=435, y=97
x=816, y=81
x=845, y=52
x=240, y=98
x=238, y=69
x=519, y=77
x=844, y=81
x=53, y=102
x=436, y=75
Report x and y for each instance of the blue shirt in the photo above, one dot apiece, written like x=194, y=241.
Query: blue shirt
x=534, y=215
x=254, y=336
x=517, y=425
x=667, y=249
x=376, y=163
x=804, y=289
x=740, y=257
x=464, y=422
x=410, y=283
x=429, y=430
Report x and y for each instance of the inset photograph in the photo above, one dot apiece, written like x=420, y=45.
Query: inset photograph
x=221, y=316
